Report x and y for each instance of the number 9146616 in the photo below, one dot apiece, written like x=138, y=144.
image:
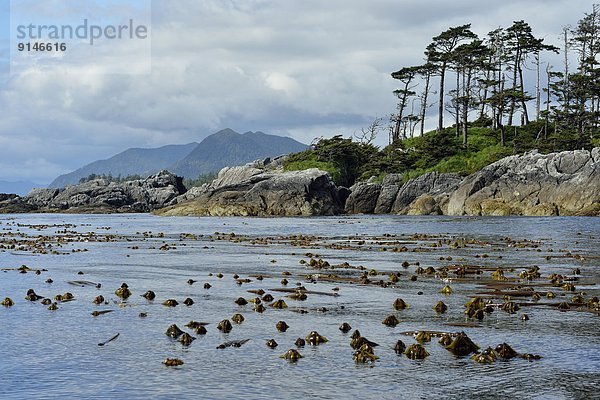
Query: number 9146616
x=41, y=46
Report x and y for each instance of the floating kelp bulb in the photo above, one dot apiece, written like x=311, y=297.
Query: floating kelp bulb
x=188, y=302
x=191, y=281
x=149, y=295
x=299, y=295
x=314, y=339
x=32, y=296
x=99, y=300
x=272, y=343
x=423, y=337
x=568, y=287
x=487, y=356
x=440, y=307
x=237, y=318
x=510, y=307
x=173, y=362
x=356, y=334
x=399, y=347
x=365, y=354
x=284, y=282
x=400, y=304
x=259, y=308
x=8, y=302
x=300, y=342
x=462, y=345
x=186, y=339
x=445, y=339
x=174, y=331
x=240, y=301
x=225, y=326
x=391, y=321
x=46, y=301
x=123, y=292
x=53, y=307
x=282, y=326
x=564, y=306
x=446, y=290
x=268, y=298
x=550, y=295
x=524, y=317
x=358, y=342
x=207, y=285
x=170, y=303
x=505, y=351
x=280, y=304
x=345, y=327
x=201, y=330
x=291, y=355
x=416, y=352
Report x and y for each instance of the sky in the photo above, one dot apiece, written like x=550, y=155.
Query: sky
x=303, y=69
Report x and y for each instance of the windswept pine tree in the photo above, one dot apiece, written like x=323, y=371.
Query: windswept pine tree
x=500, y=79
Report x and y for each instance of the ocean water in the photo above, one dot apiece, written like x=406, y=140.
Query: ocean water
x=54, y=354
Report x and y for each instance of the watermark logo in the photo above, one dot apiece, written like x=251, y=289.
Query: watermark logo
x=80, y=36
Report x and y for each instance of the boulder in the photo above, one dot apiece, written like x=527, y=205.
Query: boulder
x=566, y=183
x=248, y=191
x=424, y=205
x=389, y=190
x=363, y=198
x=432, y=183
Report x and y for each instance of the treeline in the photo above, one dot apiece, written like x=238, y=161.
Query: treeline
x=489, y=82
x=187, y=182
x=494, y=112
x=110, y=178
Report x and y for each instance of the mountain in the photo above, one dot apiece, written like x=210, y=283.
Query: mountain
x=133, y=161
x=20, y=187
x=229, y=148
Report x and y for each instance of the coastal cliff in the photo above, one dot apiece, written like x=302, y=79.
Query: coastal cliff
x=254, y=190
x=565, y=183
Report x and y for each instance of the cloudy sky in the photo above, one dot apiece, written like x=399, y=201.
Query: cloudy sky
x=299, y=68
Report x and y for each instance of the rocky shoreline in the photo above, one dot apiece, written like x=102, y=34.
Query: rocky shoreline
x=100, y=196
x=534, y=184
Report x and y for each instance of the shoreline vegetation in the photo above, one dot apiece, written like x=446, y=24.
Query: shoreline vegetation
x=498, y=158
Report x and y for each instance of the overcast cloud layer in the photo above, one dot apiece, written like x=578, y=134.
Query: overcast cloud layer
x=298, y=68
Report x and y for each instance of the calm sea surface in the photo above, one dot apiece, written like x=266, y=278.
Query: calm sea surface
x=55, y=354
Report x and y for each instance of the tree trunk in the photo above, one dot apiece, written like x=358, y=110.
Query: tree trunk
x=457, y=106
x=538, y=93
x=522, y=90
x=441, y=102
x=424, y=102
x=466, y=105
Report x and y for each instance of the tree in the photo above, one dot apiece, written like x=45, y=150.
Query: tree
x=406, y=76
x=520, y=44
x=469, y=59
x=439, y=53
x=425, y=71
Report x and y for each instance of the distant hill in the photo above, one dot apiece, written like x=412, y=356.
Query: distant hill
x=222, y=149
x=133, y=161
x=229, y=148
x=20, y=187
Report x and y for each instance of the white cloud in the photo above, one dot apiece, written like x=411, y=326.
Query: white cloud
x=300, y=68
